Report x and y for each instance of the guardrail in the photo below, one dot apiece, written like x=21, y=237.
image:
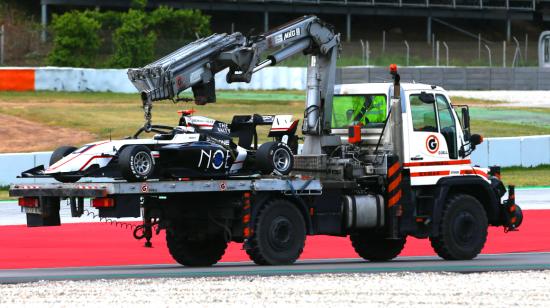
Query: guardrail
x=289, y=78
x=457, y=78
x=525, y=151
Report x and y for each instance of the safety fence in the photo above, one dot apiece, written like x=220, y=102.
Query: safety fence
x=456, y=78
x=509, y=151
x=287, y=78
x=116, y=80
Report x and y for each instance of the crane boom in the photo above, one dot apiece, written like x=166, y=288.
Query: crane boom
x=195, y=65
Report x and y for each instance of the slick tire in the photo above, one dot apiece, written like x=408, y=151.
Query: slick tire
x=57, y=155
x=136, y=163
x=274, y=157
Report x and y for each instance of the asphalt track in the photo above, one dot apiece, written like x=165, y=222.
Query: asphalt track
x=79, y=251
x=483, y=263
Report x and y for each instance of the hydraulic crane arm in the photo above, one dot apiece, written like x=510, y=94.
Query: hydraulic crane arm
x=307, y=35
x=195, y=65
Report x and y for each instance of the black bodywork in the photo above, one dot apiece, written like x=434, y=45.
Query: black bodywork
x=212, y=156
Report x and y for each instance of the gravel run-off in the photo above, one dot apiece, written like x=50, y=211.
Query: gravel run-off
x=491, y=289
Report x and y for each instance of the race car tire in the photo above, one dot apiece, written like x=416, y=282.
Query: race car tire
x=57, y=155
x=204, y=252
x=279, y=234
x=136, y=163
x=274, y=157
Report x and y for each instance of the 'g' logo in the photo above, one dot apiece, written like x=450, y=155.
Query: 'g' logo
x=432, y=144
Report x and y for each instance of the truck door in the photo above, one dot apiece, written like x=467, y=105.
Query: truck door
x=447, y=125
x=432, y=132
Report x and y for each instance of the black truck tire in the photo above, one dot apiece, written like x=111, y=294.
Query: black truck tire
x=274, y=156
x=375, y=248
x=136, y=163
x=279, y=234
x=462, y=230
x=186, y=252
x=57, y=155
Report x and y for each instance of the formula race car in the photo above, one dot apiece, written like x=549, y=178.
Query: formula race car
x=199, y=147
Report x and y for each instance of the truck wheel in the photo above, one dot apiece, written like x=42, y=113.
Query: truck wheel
x=136, y=163
x=57, y=155
x=376, y=248
x=195, y=253
x=274, y=156
x=279, y=234
x=463, y=229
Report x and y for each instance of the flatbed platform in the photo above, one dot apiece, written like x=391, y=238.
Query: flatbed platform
x=289, y=186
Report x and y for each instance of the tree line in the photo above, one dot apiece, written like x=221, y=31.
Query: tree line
x=93, y=38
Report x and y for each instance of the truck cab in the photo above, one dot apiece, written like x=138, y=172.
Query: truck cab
x=432, y=188
x=436, y=134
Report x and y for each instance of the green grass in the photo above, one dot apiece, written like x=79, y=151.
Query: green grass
x=491, y=120
x=12, y=96
x=398, y=58
x=488, y=128
x=121, y=114
x=519, y=176
x=4, y=193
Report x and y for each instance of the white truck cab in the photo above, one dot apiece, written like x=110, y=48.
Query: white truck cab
x=435, y=138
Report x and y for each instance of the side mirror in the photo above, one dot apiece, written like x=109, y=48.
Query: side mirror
x=476, y=139
x=427, y=98
x=466, y=123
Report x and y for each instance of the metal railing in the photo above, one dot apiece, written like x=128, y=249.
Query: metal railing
x=528, y=5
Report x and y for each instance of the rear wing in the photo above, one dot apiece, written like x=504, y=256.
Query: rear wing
x=277, y=122
x=255, y=119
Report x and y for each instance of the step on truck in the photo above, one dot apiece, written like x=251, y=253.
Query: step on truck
x=379, y=162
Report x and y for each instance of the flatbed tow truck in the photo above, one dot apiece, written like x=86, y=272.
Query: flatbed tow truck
x=379, y=163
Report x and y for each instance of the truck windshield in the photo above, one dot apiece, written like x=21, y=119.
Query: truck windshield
x=366, y=109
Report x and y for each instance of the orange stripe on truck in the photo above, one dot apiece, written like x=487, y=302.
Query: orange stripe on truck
x=393, y=169
x=474, y=171
x=395, y=183
x=430, y=173
x=16, y=79
x=394, y=199
x=438, y=163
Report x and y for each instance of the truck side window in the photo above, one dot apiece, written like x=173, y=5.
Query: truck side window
x=448, y=125
x=423, y=115
x=368, y=110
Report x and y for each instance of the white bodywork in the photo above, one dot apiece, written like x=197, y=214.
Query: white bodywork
x=426, y=166
x=102, y=152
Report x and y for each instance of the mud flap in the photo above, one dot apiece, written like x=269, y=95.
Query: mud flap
x=125, y=206
x=512, y=213
x=49, y=216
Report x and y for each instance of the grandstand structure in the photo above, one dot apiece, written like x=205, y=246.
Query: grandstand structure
x=505, y=10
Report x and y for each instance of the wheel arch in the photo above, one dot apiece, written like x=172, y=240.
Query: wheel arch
x=262, y=199
x=151, y=147
x=469, y=185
